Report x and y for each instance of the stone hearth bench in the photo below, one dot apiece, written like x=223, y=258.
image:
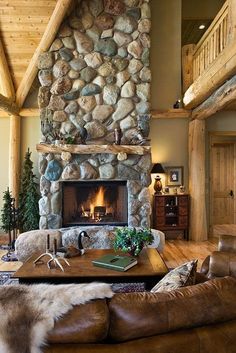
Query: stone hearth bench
x=100, y=238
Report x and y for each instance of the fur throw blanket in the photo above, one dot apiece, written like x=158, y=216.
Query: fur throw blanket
x=28, y=313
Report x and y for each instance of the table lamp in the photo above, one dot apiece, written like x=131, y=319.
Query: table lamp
x=157, y=168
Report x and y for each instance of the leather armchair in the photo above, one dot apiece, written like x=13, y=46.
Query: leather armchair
x=223, y=261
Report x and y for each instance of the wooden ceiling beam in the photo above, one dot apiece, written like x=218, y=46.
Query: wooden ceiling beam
x=8, y=105
x=222, y=97
x=6, y=85
x=24, y=112
x=52, y=28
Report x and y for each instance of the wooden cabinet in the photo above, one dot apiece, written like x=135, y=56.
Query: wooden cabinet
x=171, y=212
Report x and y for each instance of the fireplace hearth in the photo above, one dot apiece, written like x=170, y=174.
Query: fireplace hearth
x=94, y=203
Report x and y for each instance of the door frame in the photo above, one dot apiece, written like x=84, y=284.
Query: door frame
x=217, y=137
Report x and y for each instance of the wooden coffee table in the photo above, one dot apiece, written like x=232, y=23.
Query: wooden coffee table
x=150, y=269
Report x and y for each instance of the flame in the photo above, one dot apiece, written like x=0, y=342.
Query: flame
x=98, y=200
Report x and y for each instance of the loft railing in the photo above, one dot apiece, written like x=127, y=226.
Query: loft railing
x=212, y=61
x=213, y=42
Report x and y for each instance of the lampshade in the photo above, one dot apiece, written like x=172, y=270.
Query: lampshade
x=157, y=168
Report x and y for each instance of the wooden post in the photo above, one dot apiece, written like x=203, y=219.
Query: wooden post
x=198, y=226
x=232, y=20
x=14, y=156
x=187, y=66
x=7, y=103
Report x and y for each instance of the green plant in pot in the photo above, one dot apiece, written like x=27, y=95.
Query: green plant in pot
x=132, y=240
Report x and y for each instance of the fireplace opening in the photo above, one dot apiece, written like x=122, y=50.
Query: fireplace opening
x=94, y=202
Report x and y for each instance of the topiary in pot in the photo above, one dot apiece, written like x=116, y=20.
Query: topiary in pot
x=132, y=240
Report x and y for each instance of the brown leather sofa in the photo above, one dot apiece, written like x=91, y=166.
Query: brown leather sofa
x=222, y=262
x=195, y=319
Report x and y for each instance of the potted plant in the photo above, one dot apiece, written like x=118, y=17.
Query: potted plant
x=132, y=240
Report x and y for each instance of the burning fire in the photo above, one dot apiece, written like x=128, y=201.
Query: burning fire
x=98, y=201
x=98, y=206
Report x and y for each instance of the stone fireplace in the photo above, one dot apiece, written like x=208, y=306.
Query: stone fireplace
x=94, y=111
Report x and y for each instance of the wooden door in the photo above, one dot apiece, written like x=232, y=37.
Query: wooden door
x=222, y=205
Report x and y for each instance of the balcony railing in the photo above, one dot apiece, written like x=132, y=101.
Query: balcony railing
x=213, y=42
x=212, y=61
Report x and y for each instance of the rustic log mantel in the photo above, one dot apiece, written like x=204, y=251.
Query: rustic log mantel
x=87, y=149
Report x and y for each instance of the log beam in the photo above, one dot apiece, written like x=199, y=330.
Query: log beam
x=87, y=149
x=6, y=84
x=14, y=156
x=223, y=96
x=8, y=105
x=198, y=225
x=24, y=112
x=52, y=28
x=187, y=66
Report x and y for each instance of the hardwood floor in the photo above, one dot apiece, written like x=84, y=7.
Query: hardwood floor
x=176, y=252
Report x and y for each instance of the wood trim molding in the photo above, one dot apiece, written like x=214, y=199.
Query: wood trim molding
x=87, y=149
x=171, y=114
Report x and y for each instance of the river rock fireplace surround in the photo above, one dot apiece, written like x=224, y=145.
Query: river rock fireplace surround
x=95, y=81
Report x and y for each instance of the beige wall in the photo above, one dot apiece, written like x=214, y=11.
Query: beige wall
x=165, y=53
x=30, y=134
x=169, y=140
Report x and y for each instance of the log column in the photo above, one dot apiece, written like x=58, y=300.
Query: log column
x=14, y=156
x=198, y=225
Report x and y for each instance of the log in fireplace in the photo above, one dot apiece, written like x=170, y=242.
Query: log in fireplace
x=94, y=203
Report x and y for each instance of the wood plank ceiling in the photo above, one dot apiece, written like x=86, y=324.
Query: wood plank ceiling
x=22, y=24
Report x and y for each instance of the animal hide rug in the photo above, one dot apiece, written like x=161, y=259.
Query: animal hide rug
x=28, y=313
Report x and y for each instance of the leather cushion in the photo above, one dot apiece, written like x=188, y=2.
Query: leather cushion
x=134, y=315
x=83, y=324
x=227, y=243
x=222, y=263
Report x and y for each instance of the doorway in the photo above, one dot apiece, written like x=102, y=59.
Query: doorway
x=222, y=205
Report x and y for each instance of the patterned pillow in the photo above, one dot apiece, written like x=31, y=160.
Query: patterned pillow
x=182, y=276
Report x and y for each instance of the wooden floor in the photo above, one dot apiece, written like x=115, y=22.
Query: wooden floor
x=176, y=252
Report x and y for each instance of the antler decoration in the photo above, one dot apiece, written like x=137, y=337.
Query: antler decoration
x=54, y=258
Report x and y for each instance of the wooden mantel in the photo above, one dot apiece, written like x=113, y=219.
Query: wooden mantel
x=87, y=149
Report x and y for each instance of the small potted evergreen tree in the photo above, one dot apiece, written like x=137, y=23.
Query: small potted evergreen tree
x=28, y=197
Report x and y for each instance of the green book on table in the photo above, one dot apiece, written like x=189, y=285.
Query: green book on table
x=115, y=262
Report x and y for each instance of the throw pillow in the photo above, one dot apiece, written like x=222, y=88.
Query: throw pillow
x=182, y=276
